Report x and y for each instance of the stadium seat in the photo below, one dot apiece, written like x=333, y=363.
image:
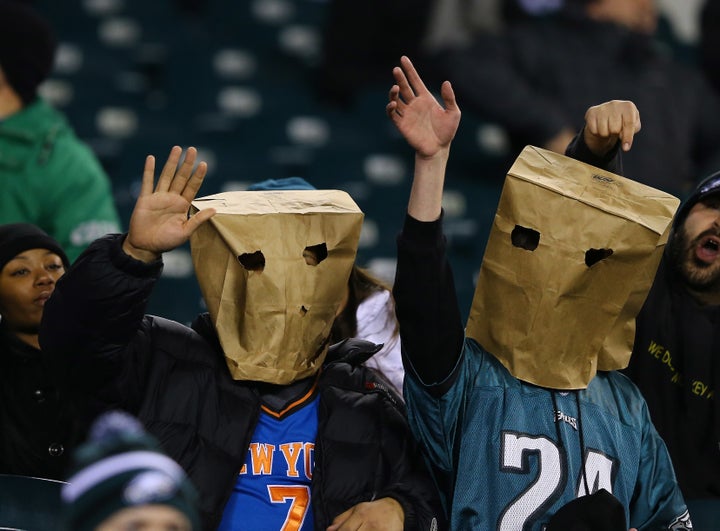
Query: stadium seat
x=29, y=503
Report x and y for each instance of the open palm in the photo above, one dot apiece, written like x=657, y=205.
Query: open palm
x=426, y=125
x=160, y=220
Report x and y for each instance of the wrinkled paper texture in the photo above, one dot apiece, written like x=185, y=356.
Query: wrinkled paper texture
x=274, y=323
x=548, y=316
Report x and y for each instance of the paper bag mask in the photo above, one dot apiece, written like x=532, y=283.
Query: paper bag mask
x=570, y=258
x=271, y=309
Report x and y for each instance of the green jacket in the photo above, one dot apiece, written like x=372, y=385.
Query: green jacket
x=50, y=178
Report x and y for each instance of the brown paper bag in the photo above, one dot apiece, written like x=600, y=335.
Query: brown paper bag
x=272, y=311
x=571, y=256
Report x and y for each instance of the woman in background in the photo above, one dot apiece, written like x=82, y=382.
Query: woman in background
x=37, y=427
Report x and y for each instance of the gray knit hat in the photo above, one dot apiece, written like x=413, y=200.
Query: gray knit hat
x=16, y=238
x=122, y=466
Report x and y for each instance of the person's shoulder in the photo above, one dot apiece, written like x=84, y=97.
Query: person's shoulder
x=57, y=146
x=615, y=379
x=377, y=301
x=32, y=124
x=357, y=377
x=375, y=314
x=184, y=342
x=44, y=117
x=615, y=390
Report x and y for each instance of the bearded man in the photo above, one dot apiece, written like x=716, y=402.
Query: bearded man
x=675, y=357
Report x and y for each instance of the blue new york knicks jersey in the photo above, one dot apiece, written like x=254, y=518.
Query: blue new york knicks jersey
x=272, y=492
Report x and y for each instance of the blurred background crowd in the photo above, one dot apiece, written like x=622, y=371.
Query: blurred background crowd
x=278, y=88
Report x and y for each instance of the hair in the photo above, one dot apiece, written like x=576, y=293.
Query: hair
x=361, y=285
x=27, y=48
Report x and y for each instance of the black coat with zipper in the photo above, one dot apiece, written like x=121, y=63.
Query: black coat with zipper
x=110, y=354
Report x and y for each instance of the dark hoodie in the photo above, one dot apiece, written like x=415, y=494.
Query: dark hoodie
x=676, y=365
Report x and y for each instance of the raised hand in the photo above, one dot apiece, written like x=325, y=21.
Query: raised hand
x=160, y=220
x=609, y=122
x=426, y=125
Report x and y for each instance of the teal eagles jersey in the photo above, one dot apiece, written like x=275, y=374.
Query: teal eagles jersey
x=507, y=459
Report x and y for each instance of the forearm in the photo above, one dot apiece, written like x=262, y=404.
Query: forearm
x=429, y=319
x=425, y=203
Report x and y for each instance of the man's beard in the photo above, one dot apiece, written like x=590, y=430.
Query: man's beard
x=698, y=275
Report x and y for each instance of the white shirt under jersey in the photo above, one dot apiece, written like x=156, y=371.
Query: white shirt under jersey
x=376, y=323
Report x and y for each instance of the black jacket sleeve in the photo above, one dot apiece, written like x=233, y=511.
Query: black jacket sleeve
x=94, y=332
x=429, y=319
x=611, y=161
x=361, y=414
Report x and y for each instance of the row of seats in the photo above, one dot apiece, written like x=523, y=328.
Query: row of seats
x=235, y=79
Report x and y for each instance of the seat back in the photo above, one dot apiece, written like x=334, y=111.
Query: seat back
x=704, y=513
x=29, y=503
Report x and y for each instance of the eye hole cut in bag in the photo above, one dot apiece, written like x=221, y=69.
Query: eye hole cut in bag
x=593, y=256
x=313, y=254
x=525, y=238
x=252, y=261
x=529, y=239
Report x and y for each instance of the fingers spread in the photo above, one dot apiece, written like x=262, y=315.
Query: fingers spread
x=192, y=185
x=148, y=178
x=168, y=171
x=200, y=217
x=448, y=96
x=415, y=81
x=405, y=91
x=183, y=174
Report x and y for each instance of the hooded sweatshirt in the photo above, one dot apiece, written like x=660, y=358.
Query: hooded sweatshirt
x=676, y=365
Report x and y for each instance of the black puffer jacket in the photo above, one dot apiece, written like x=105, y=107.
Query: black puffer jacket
x=174, y=378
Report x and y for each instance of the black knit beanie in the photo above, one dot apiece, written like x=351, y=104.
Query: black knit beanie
x=708, y=186
x=18, y=237
x=27, y=48
x=122, y=466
